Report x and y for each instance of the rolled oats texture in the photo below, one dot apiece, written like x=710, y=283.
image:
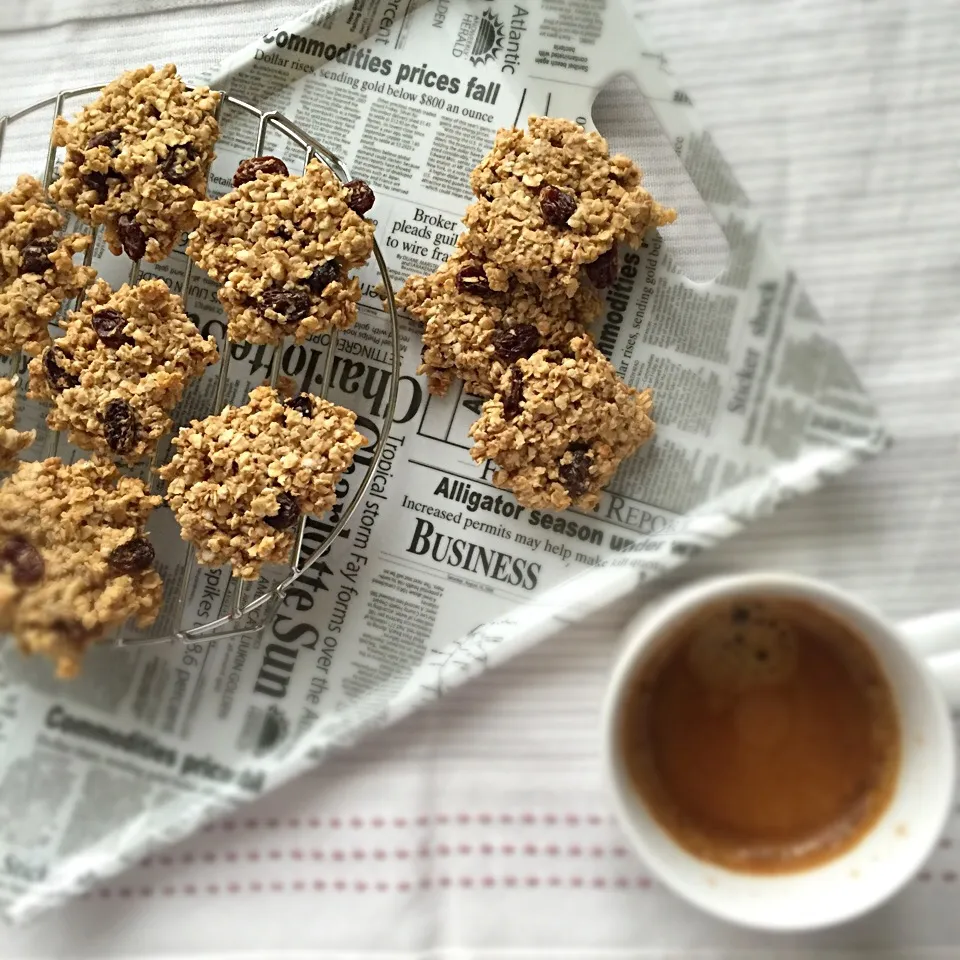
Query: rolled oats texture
x=272, y=244
x=466, y=321
x=150, y=357
x=559, y=435
x=514, y=221
x=12, y=441
x=68, y=520
x=30, y=300
x=137, y=159
x=237, y=476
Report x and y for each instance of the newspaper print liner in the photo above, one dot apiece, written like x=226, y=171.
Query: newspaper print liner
x=431, y=583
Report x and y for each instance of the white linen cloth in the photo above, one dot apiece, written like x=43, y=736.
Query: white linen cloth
x=479, y=828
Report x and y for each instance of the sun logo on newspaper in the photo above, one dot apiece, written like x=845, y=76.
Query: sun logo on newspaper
x=480, y=38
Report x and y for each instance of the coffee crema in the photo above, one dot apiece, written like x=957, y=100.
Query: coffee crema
x=762, y=735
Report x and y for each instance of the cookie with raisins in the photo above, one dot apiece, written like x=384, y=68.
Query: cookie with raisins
x=137, y=160
x=121, y=366
x=240, y=480
x=37, y=272
x=552, y=205
x=75, y=560
x=282, y=248
x=475, y=333
x=559, y=425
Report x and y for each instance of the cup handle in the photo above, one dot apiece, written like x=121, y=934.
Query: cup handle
x=937, y=639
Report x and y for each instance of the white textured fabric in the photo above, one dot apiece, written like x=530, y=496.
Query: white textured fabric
x=479, y=828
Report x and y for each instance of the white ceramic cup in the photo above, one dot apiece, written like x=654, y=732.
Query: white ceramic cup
x=921, y=660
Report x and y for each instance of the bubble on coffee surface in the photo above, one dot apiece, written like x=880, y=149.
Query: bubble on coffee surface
x=742, y=648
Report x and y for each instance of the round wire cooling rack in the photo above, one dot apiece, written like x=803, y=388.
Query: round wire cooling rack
x=250, y=605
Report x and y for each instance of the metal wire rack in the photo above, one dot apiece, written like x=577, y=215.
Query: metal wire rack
x=252, y=605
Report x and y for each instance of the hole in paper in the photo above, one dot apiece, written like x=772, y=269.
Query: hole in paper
x=695, y=242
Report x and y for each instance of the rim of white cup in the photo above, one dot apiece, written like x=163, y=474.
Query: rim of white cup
x=678, y=606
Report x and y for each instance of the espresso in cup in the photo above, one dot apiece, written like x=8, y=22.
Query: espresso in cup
x=762, y=735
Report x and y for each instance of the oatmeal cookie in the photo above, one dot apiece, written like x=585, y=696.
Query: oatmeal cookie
x=241, y=479
x=474, y=332
x=120, y=368
x=12, y=441
x=281, y=248
x=74, y=560
x=559, y=425
x=37, y=272
x=137, y=159
x=552, y=205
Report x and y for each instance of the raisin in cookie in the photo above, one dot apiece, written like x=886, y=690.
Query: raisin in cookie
x=474, y=332
x=559, y=426
x=552, y=205
x=74, y=560
x=241, y=479
x=12, y=441
x=120, y=368
x=137, y=159
x=37, y=272
x=281, y=248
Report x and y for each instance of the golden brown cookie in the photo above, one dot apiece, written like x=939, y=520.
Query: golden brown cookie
x=552, y=205
x=74, y=560
x=37, y=272
x=137, y=160
x=241, y=479
x=120, y=368
x=282, y=247
x=559, y=426
x=474, y=332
